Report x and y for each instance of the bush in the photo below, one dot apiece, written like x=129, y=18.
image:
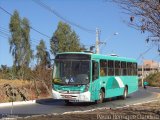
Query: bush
x=153, y=79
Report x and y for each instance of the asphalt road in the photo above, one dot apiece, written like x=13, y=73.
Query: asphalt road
x=50, y=106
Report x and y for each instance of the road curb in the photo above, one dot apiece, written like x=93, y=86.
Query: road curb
x=17, y=103
x=154, y=87
x=74, y=112
x=107, y=108
x=144, y=102
x=83, y=111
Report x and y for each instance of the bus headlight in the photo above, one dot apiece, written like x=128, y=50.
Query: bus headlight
x=86, y=88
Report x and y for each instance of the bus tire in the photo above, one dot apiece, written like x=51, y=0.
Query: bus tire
x=125, y=93
x=101, y=96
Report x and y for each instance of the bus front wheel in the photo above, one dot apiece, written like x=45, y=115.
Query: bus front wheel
x=125, y=93
x=101, y=97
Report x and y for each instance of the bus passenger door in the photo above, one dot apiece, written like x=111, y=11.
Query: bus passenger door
x=95, y=81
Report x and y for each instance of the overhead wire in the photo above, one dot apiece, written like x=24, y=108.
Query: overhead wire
x=8, y=33
x=156, y=57
x=2, y=32
x=4, y=10
x=33, y=74
x=145, y=52
x=5, y=33
x=45, y=6
x=5, y=30
x=3, y=36
x=53, y=11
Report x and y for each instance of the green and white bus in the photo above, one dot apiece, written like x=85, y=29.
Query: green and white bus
x=88, y=77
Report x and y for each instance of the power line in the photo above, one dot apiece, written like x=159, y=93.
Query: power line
x=6, y=35
x=61, y=17
x=5, y=30
x=34, y=43
x=155, y=58
x=28, y=26
x=3, y=36
x=141, y=55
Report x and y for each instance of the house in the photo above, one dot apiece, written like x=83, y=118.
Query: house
x=148, y=67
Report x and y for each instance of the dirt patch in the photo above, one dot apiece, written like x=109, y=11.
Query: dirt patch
x=20, y=90
x=148, y=111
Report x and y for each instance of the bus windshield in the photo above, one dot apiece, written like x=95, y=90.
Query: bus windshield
x=70, y=72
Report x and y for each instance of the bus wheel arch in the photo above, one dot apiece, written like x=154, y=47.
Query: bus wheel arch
x=126, y=87
x=103, y=89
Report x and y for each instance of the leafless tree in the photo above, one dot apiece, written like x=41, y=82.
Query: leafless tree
x=144, y=14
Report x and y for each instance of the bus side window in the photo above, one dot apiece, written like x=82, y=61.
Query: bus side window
x=95, y=70
x=134, y=68
x=110, y=68
x=123, y=68
x=117, y=68
x=129, y=68
x=103, y=67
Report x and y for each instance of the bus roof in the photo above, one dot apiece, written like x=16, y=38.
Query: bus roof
x=101, y=56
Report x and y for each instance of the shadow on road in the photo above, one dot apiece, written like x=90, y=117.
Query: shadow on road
x=54, y=102
x=134, y=96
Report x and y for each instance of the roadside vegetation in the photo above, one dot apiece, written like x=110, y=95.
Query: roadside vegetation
x=153, y=79
x=143, y=15
x=21, y=90
x=30, y=75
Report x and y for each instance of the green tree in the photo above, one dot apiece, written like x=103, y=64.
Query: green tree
x=28, y=53
x=42, y=56
x=20, y=43
x=64, y=40
x=43, y=59
x=16, y=38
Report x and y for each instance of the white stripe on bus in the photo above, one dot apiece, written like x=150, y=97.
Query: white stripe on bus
x=120, y=82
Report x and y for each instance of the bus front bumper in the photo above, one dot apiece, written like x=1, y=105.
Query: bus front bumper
x=81, y=97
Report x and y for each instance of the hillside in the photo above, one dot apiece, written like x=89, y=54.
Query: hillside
x=20, y=90
x=153, y=79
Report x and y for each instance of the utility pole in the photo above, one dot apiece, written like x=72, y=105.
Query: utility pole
x=97, y=40
x=142, y=72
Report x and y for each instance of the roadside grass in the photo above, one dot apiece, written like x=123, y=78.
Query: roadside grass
x=153, y=79
x=14, y=82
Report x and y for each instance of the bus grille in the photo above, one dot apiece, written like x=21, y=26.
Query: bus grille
x=70, y=92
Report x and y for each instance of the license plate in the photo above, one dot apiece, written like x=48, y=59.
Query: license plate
x=67, y=96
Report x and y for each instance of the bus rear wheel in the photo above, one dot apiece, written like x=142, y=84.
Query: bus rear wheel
x=125, y=93
x=101, y=97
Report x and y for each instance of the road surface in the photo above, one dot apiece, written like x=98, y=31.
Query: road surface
x=50, y=106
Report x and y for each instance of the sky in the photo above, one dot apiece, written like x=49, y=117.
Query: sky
x=91, y=14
